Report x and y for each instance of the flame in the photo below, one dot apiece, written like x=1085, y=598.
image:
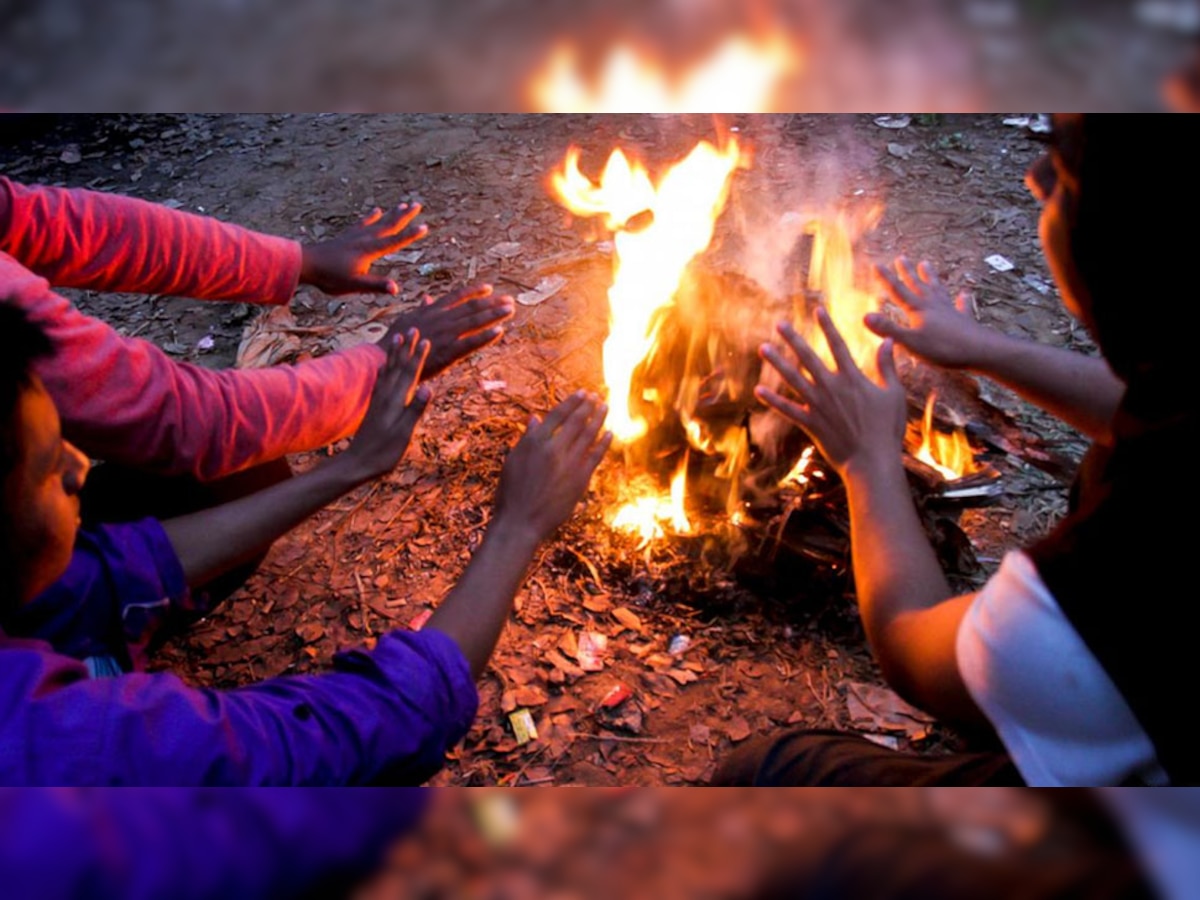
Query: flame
x=649, y=263
x=950, y=454
x=798, y=477
x=743, y=74
x=647, y=515
x=832, y=274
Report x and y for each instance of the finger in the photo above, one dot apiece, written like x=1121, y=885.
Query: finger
x=576, y=424
x=419, y=403
x=394, y=351
x=841, y=352
x=927, y=274
x=589, y=432
x=898, y=290
x=908, y=274
x=409, y=373
x=481, y=313
x=598, y=453
x=792, y=376
x=886, y=363
x=393, y=242
x=373, y=216
x=468, y=345
x=963, y=303
x=787, y=408
x=559, y=414
x=462, y=295
x=374, y=284
x=886, y=327
x=397, y=219
x=808, y=358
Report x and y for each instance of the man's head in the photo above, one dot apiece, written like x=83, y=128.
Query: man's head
x=40, y=473
x=1119, y=200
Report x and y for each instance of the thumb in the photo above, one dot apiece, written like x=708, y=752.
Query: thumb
x=375, y=284
x=885, y=327
x=886, y=363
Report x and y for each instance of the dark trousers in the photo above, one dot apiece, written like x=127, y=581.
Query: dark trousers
x=802, y=758
x=115, y=493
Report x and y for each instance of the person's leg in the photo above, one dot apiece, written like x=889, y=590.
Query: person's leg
x=1070, y=851
x=801, y=757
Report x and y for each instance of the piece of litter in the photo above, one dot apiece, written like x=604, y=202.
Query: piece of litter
x=679, y=644
x=883, y=740
x=493, y=385
x=505, y=250
x=999, y=263
x=417, y=622
x=409, y=257
x=617, y=695
x=545, y=289
x=894, y=122
x=900, y=151
x=592, y=647
x=522, y=725
x=1037, y=284
x=498, y=817
x=205, y=343
x=71, y=155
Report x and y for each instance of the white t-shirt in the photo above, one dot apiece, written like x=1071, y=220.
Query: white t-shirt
x=1055, y=709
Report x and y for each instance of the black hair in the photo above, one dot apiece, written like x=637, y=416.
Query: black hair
x=1137, y=193
x=22, y=343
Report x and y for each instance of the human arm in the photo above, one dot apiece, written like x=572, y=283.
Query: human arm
x=197, y=843
x=124, y=400
x=213, y=541
x=1081, y=390
x=387, y=714
x=909, y=613
x=544, y=478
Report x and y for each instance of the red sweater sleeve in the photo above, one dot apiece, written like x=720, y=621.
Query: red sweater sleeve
x=105, y=242
x=123, y=399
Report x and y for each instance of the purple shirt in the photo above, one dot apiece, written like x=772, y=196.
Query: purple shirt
x=389, y=714
x=193, y=843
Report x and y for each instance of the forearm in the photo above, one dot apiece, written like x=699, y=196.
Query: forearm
x=895, y=568
x=213, y=541
x=474, y=612
x=106, y=242
x=1080, y=390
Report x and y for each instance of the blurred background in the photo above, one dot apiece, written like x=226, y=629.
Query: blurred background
x=602, y=55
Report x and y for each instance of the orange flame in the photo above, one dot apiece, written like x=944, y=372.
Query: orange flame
x=743, y=74
x=950, y=454
x=648, y=264
x=647, y=515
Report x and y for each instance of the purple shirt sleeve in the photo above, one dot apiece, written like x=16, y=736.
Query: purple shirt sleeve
x=192, y=843
x=388, y=715
x=124, y=584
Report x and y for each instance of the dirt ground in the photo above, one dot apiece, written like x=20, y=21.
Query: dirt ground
x=764, y=652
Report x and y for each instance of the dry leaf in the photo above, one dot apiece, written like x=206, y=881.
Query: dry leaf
x=683, y=676
x=627, y=618
x=310, y=632
x=738, y=729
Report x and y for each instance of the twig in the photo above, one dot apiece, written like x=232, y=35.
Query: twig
x=362, y=600
x=337, y=523
x=617, y=737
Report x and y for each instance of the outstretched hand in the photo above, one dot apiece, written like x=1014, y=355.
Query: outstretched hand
x=342, y=264
x=547, y=473
x=397, y=404
x=937, y=328
x=456, y=325
x=853, y=420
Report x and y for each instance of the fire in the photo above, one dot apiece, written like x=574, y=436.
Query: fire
x=676, y=219
x=950, y=454
x=798, y=477
x=647, y=515
x=832, y=275
x=743, y=74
